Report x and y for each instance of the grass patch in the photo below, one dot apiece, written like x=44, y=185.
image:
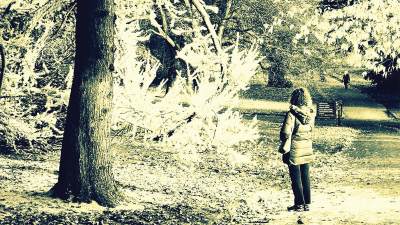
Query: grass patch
x=264, y=92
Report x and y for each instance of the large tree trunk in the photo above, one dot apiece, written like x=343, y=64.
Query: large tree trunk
x=85, y=165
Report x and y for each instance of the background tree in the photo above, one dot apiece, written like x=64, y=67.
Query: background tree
x=370, y=40
x=37, y=37
x=274, y=26
x=85, y=165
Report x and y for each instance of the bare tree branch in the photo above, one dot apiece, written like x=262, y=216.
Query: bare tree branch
x=226, y=7
x=163, y=30
x=49, y=7
x=172, y=131
x=200, y=8
x=71, y=8
x=195, y=25
x=8, y=8
x=163, y=18
x=6, y=4
x=166, y=37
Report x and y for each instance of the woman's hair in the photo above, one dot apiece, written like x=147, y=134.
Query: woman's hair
x=301, y=97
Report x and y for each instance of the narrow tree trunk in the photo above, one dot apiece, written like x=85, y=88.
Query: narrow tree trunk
x=85, y=165
x=163, y=18
x=3, y=66
x=226, y=10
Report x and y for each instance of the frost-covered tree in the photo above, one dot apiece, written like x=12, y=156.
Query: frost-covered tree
x=368, y=31
x=188, y=119
x=36, y=37
x=274, y=25
x=196, y=114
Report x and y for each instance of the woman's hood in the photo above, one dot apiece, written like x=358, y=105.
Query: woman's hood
x=304, y=114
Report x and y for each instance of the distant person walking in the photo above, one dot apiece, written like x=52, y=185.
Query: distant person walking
x=296, y=146
x=346, y=79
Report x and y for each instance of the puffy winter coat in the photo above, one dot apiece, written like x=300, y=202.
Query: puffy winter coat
x=297, y=127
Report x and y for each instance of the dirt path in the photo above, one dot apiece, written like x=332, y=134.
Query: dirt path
x=358, y=106
x=346, y=205
x=367, y=191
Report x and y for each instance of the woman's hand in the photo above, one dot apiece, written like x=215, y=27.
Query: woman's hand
x=286, y=157
x=281, y=149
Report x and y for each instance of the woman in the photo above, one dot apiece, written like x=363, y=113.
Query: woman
x=296, y=146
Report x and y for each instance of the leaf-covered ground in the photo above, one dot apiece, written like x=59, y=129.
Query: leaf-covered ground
x=354, y=179
x=351, y=184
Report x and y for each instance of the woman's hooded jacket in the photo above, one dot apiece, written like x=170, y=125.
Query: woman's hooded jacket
x=297, y=127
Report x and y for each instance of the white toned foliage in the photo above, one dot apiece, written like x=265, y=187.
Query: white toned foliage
x=147, y=111
x=369, y=30
x=201, y=119
x=31, y=115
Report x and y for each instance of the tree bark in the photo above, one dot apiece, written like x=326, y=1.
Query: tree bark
x=85, y=172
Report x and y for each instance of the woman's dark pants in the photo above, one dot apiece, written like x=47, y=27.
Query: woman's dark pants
x=299, y=174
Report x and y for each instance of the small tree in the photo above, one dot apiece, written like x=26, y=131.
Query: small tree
x=189, y=120
x=85, y=164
